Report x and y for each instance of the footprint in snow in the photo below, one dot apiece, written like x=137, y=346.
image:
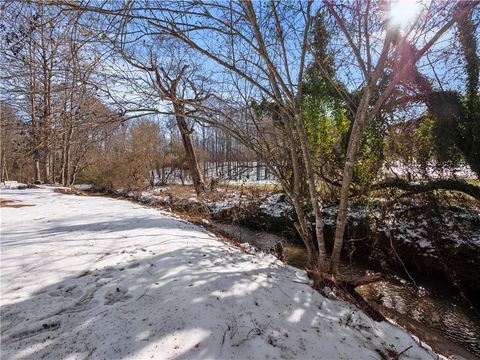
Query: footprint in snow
x=116, y=295
x=66, y=292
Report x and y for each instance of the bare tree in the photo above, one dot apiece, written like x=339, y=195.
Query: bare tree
x=173, y=82
x=48, y=75
x=14, y=154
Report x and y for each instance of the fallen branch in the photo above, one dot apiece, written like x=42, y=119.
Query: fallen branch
x=141, y=296
x=364, y=280
x=431, y=185
x=402, y=352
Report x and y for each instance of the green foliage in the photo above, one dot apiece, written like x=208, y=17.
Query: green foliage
x=450, y=131
x=327, y=126
x=468, y=134
x=457, y=128
x=468, y=126
x=267, y=108
x=320, y=39
x=371, y=155
x=424, y=140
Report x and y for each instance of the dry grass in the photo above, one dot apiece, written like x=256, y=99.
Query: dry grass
x=6, y=203
x=221, y=191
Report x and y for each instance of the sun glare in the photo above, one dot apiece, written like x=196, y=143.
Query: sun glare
x=403, y=13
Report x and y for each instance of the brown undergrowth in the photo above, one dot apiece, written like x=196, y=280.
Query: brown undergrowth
x=6, y=203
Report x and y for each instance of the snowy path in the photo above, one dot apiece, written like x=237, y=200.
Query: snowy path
x=92, y=277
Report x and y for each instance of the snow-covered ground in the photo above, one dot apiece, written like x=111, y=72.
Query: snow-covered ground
x=431, y=171
x=92, y=277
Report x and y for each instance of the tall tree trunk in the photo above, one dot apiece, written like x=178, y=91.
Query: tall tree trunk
x=46, y=165
x=204, y=148
x=66, y=180
x=319, y=225
x=186, y=134
x=258, y=167
x=295, y=197
x=352, y=150
x=37, y=173
x=62, y=174
x=3, y=166
x=66, y=169
x=35, y=141
x=3, y=176
x=53, y=166
x=73, y=174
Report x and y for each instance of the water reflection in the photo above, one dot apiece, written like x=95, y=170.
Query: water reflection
x=454, y=321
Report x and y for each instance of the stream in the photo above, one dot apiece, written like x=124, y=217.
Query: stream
x=443, y=313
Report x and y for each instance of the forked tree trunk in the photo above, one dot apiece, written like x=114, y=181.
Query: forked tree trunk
x=73, y=175
x=186, y=134
x=304, y=232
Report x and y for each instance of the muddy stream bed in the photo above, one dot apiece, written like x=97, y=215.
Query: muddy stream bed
x=443, y=313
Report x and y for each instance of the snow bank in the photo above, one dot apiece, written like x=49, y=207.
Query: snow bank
x=276, y=206
x=12, y=185
x=84, y=187
x=92, y=277
x=458, y=226
x=219, y=206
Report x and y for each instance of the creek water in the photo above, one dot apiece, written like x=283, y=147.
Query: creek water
x=443, y=313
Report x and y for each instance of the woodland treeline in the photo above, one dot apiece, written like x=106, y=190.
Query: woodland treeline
x=337, y=99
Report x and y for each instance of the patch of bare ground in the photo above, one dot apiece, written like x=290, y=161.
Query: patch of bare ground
x=6, y=203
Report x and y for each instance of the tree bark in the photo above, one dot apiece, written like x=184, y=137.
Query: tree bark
x=319, y=225
x=352, y=150
x=66, y=180
x=186, y=134
x=440, y=184
x=36, y=168
x=295, y=196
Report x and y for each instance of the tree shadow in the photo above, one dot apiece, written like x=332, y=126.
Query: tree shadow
x=201, y=302
x=166, y=290
x=110, y=226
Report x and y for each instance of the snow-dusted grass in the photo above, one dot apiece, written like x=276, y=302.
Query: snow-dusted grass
x=92, y=277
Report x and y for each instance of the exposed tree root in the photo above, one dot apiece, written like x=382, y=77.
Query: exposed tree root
x=344, y=288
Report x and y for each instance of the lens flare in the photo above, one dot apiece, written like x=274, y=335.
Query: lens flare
x=403, y=13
